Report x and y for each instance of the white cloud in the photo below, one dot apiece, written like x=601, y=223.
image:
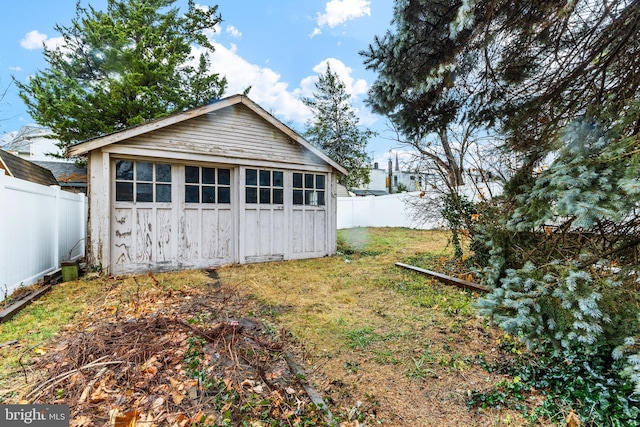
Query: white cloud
x=275, y=95
x=233, y=31
x=16, y=68
x=267, y=88
x=341, y=11
x=35, y=40
x=354, y=87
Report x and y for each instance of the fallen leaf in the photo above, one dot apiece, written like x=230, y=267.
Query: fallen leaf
x=157, y=403
x=40, y=351
x=177, y=397
x=127, y=420
x=573, y=420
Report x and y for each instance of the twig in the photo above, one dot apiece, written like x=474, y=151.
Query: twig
x=89, y=386
x=59, y=378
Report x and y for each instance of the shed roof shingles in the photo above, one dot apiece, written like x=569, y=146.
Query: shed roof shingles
x=24, y=169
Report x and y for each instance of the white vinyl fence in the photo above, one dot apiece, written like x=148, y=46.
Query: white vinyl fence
x=398, y=210
x=40, y=226
x=393, y=210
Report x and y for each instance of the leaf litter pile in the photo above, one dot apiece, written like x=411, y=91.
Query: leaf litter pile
x=152, y=355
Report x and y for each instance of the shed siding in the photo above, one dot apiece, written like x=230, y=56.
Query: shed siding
x=234, y=132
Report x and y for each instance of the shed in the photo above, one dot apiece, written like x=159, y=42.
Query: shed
x=17, y=167
x=218, y=184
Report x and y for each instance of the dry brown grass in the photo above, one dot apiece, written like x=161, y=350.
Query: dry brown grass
x=381, y=344
x=369, y=332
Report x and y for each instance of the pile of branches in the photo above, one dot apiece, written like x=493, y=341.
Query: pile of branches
x=190, y=364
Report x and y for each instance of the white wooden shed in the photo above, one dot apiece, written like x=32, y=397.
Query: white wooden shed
x=218, y=184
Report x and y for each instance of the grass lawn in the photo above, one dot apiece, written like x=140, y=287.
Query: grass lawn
x=380, y=344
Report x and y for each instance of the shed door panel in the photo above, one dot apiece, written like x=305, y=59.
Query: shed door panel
x=265, y=235
x=309, y=234
x=142, y=239
x=207, y=236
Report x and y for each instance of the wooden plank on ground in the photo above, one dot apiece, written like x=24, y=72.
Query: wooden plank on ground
x=10, y=311
x=446, y=279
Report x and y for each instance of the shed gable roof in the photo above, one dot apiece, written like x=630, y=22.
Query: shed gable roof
x=99, y=142
x=24, y=169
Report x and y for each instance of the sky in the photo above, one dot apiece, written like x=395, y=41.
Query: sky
x=278, y=47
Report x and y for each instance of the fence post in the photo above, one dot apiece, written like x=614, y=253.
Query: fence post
x=56, y=226
x=3, y=222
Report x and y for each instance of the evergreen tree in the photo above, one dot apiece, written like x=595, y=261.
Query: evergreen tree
x=123, y=66
x=559, y=80
x=334, y=129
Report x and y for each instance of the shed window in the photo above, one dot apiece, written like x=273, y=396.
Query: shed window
x=264, y=186
x=309, y=189
x=143, y=182
x=207, y=185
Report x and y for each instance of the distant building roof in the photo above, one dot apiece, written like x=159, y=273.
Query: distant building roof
x=24, y=169
x=67, y=174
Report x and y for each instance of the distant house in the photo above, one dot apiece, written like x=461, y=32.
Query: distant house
x=16, y=167
x=70, y=176
x=380, y=180
x=218, y=184
x=33, y=143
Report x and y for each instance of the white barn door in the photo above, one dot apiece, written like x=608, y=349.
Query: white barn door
x=264, y=221
x=309, y=216
x=206, y=222
x=166, y=216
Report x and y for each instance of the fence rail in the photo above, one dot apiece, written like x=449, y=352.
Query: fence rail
x=40, y=226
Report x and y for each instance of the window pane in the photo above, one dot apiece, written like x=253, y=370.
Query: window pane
x=320, y=182
x=192, y=174
x=224, y=176
x=191, y=194
x=208, y=176
x=297, y=197
x=224, y=195
x=265, y=195
x=320, y=198
x=252, y=195
x=144, y=171
x=124, y=191
x=163, y=193
x=308, y=180
x=124, y=170
x=163, y=173
x=278, y=196
x=144, y=192
x=297, y=180
x=278, y=179
x=265, y=178
x=309, y=197
x=208, y=194
x=252, y=177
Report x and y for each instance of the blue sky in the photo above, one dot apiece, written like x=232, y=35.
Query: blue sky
x=276, y=46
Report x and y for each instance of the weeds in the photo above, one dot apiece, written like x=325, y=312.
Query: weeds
x=361, y=338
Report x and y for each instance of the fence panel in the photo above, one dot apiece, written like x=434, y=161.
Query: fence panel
x=378, y=211
x=39, y=227
x=398, y=210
